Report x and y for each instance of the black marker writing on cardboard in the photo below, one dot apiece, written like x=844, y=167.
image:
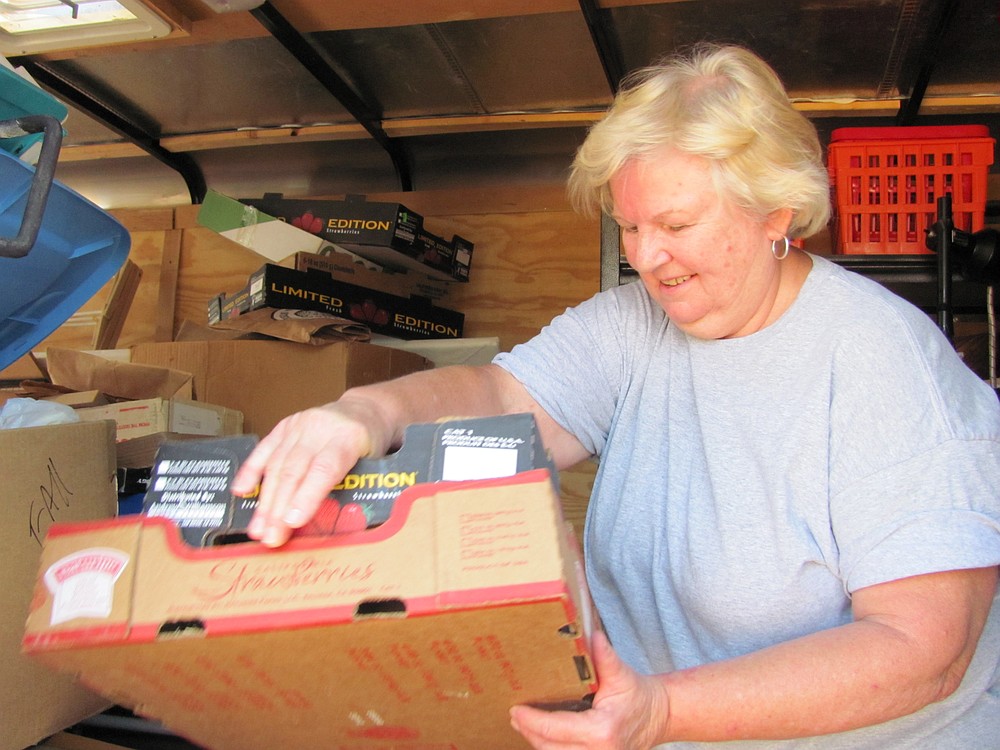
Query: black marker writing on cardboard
x=53, y=496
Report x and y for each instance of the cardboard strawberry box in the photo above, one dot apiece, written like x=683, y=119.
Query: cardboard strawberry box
x=353, y=221
x=389, y=234
x=278, y=287
x=418, y=633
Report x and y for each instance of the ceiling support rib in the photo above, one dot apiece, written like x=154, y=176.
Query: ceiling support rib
x=303, y=51
x=899, y=48
x=86, y=102
x=941, y=21
x=608, y=49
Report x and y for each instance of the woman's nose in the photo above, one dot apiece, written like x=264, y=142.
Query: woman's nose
x=648, y=249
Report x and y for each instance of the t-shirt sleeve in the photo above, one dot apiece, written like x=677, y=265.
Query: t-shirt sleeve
x=935, y=512
x=574, y=368
x=915, y=461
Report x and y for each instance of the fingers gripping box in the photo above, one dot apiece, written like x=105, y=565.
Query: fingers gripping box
x=416, y=634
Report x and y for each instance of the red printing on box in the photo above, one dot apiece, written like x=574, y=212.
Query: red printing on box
x=442, y=601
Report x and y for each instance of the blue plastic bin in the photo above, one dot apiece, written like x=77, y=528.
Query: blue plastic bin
x=78, y=249
x=19, y=97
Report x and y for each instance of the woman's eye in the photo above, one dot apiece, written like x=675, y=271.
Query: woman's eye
x=629, y=230
x=676, y=227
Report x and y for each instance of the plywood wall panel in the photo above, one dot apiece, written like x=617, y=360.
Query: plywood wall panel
x=140, y=325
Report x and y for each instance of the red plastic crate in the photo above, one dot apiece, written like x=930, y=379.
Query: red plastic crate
x=886, y=182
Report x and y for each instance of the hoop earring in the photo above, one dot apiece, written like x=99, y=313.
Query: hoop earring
x=780, y=254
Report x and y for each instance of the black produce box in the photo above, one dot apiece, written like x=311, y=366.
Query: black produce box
x=453, y=257
x=350, y=221
x=387, y=233
x=345, y=267
x=190, y=478
x=285, y=288
x=225, y=306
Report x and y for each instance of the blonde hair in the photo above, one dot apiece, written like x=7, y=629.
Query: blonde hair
x=722, y=103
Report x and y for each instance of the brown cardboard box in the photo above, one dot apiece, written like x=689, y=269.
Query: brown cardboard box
x=149, y=416
x=144, y=424
x=420, y=633
x=51, y=474
x=268, y=380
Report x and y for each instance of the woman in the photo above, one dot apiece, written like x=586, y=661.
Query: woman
x=794, y=533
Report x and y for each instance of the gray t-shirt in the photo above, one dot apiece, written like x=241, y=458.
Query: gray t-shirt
x=747, y=486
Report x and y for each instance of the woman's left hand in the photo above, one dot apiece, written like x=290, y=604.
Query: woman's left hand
x=630, y=711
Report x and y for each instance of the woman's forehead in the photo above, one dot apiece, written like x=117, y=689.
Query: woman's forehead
x=666, y=183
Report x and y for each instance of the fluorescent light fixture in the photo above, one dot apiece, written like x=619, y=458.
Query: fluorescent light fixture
x=30, y=26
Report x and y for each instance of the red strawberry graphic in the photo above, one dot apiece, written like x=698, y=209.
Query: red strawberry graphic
x=352, y=518
x=308, y=222
x=325, y=520
x=369, y=312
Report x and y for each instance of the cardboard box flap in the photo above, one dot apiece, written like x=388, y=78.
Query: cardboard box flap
x=82, y=371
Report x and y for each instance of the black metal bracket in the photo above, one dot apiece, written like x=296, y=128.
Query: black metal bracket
x=608, y=49
x=71, y=92
x=303, y=50
x=942, y=232
x=910, y=106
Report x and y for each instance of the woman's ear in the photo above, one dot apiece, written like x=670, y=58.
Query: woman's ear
x=778, y=222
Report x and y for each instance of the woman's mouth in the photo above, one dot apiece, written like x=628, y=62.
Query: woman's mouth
x=676, y=281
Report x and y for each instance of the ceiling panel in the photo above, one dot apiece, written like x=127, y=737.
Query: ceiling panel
x=517, y=64
x=459, y=69
x=968, y=61
x=208, y=88
x=820, y=49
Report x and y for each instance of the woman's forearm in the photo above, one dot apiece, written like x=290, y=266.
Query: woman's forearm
x=889, y=663
x=458, y=391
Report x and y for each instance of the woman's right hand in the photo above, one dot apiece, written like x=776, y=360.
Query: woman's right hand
x=297, y=464
x=308, y=453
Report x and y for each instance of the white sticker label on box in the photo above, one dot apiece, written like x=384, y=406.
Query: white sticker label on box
x=464, y=463
x=83, y=584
